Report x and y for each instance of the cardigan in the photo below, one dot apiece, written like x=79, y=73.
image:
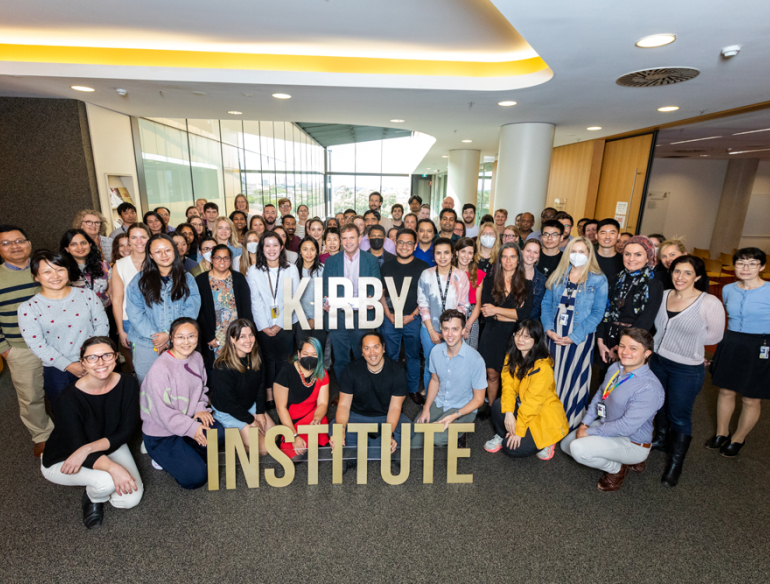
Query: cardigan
x=207, y=317
x=682, y=338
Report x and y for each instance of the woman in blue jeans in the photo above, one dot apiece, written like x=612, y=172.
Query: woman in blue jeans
x=688, y=319
x=156, y=297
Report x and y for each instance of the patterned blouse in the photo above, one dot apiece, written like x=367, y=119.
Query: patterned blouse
x=224, y=306
x=100, y=286
x=455, y=295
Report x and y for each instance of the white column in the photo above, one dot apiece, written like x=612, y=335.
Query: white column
x=733, y=205
x=463, y=177
x=523, y=167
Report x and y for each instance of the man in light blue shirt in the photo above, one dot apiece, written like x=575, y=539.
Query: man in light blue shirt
x=458, y=381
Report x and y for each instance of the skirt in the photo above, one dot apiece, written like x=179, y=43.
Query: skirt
x=736, y=365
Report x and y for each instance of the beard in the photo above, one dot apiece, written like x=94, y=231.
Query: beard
x=268, y=221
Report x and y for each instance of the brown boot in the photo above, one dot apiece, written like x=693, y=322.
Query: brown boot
x=612, y=482
x=638, y=467
x=39, y=448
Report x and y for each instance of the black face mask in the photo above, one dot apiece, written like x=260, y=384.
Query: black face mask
x=376, y=243
x=308, y=363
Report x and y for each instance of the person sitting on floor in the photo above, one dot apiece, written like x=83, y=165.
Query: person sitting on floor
x=175, y=408
x=95, y=418
x=529, y=413
x=616, y=432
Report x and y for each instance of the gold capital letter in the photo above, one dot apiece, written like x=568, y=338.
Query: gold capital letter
x=427, y=465
x=292, y=304
x=212, y=459
x=398, y=300
x=275, y=451
x=337, y=455
x=454, y=452
x=374, y=302
x=406, y=439
x=343, y=303
x=363, y=447
x=312, y=450
x=249, y=464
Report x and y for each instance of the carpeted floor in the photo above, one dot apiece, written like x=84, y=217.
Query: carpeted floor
x=520, y=521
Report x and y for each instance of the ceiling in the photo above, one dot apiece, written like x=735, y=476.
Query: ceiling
x=452, y=50
x=333, y=134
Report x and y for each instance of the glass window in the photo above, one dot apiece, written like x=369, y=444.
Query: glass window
x=205, y=128
x=395, y=189
x=364, y=186
x=342, y=158
x=232, y=132
x=343, y=192
x=207, y=174
x=233, y=177
x=369, y=157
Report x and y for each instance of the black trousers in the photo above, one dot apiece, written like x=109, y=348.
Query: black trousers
x=275, y=352
x=526, y=448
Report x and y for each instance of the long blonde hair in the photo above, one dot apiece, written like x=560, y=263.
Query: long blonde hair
x=233, y=241
x=564, y=267
x=245, y=262
x=495, y=248
x=77, y=223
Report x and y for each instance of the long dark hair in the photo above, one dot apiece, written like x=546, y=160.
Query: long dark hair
x=316, y=262
x=518, y=281
x=150, y=283
x=261, y=263
x=93, y=263
x=191, y=247
x=698, y=265
x=518, y=364
x=163, y=229
x=473, y=267
x=245, y=218
x=228, y=356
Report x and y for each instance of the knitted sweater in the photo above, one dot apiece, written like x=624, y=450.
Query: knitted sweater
x=172, y=393
x=16, y=286
x=682, y=338
x=54, y=330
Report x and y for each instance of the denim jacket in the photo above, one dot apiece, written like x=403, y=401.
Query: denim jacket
x=157, y=318
x=538, y=291
x=590, y=302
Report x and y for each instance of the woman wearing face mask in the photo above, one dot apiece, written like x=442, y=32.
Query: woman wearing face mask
x=188, y=232
x=634, y=297
x=175, y=410
x=237, y=384
x=121, y=247
x=331, y=243
x=302, y=214
x=224, y=232
x=238, y=219
x=572, y=308
x=315, y=229
x=154, y=222
x=302, y=396
x=688, y=319
x=155, y=298
x=258, y=225
x=506, y=298
x=96, y=416
x=204, y=256
x=56, y=321
x=440, y=288
x=95, y=225
x=487, y=247
x=267, y=283
x=309, y=266
x=225, y=297
x=741, y=363
x=248, y=255
x=530, y=255
x=463, y=261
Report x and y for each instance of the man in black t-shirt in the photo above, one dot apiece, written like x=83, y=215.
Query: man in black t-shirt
x=404, y=266
x=609, y=260
x=372, y=389
x=550, y=237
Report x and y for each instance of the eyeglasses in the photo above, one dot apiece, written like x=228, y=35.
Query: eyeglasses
x=221, y=258
x=181, y=339
x=522, y=336
x=508, y=236
x=163, y=251
x=550, y=235
x=750, y=265
x=14, y=242
x=92, y=223
x=207, y=249
x=104, y=357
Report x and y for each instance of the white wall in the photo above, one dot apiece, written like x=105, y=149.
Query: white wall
x=695, y=187
x=756, y=229
x=113, y=148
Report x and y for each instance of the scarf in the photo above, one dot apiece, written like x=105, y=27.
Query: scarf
x=637, y=281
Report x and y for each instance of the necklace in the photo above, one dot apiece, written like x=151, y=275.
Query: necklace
x=378, y=370
x=306, y=381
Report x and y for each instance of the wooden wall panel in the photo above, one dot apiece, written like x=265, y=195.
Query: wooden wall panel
x=624, y=169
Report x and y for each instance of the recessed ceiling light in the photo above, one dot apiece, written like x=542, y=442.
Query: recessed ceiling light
x=506, y=103
x=198, y=92
x=696, y=140
x=445, y=156
x=655, y=40
x=749, y=151
x=282, y=96
x=752, y=132
x=594, y=128
x=704, y=155
x=82, y=88
x=234, y=113
x=467, y=141
x=668, y=108
x=397, y=121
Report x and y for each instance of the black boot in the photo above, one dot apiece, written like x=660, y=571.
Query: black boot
x=93, y=513
x=679, y=445
x=660, y=441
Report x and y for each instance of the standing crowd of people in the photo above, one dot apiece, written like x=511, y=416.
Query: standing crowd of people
x=175, y=331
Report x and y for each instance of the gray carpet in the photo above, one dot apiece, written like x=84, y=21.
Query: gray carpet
x=519, y=521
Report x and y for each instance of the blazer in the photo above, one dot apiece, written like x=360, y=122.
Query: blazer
x=334, y=267
x=207, y=317
x=590, y=302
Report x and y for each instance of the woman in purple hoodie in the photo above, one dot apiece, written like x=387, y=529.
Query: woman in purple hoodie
x=175, y=408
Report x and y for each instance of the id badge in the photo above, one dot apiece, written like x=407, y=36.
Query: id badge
x=601, y=410
x=274, y=311
x=764, y=352
x=564, y=319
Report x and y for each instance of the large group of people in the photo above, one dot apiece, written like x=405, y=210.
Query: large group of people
x=180, y=330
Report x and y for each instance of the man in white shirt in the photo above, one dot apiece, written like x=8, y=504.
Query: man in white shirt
x=469, y=219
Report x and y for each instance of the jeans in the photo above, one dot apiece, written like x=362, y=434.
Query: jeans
x=607, y=454
x=411, y=337
x=374, y=451
x=527, y=446
x=54, y=381
x=427, y=347
x=343, y=342
x=144, y=357
x=182, y=457
x=682, y=384
x=229, y=421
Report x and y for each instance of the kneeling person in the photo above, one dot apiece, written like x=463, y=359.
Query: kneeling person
x=458, y=380
x=373, y=389
x=616, y=432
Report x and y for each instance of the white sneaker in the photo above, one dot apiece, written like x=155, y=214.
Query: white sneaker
x=143, y=448
x=546, y=453
x=494, y=445
x=155, y=465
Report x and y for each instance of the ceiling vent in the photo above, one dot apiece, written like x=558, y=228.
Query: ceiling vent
x=657, y=77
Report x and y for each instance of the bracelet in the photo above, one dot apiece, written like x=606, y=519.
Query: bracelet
x=296, y=436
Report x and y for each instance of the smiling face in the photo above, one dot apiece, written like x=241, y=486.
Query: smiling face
x=128, y=216
x=425, y=233
x=350, y=242
x=622, y=239
x=424, y=213
x=138, y=238
x=410, y=222
x=10, y=251
x=124, y=247
x=241, y=204
x=452, y=331
x=272, y=249
x=683, y=276
x=52, y=277
x=79, y=248
x=307, y=251
x=270, y=215
x=199, y=205
x=185, y=340
x=530, y=254
x=590, y=231
x=369, y=220
x=634, y=257
x=632, y=353
x=163, y=253
x=524, y=341
x=397, y=213
x=405, y=245
x=192, y=212
x=239, y=221
x=303, y=212
x=197, y=224
x=164, y=214
x=257, y=225
x=443, y=255
x=509, y=235
x=332, y=242
x=180, y=241
x=99, y=361
x=223, y=232
x=469, y=216
x=285, y=208
x=458, y=230
x=316, y=230
x=668, y=254
x=509, y=260
x=373, y=351
x=607, y=236
x=245, y=342
x=358, y=222
x=290, y=225
x=464, y=257
x=447, y=222
x=91, y=224
x=748, y=269
x=155, y=225
x=188, y=234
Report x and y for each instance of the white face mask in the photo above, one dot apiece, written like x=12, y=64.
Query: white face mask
x=578, y=259
x=207, y=256
x=488, y=240
x=252, y=246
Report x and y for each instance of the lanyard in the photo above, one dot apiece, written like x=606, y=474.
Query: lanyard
x=443, y=293
x=270, y=281
x=608, y=390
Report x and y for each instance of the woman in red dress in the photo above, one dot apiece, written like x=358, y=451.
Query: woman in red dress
x=301, y=393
